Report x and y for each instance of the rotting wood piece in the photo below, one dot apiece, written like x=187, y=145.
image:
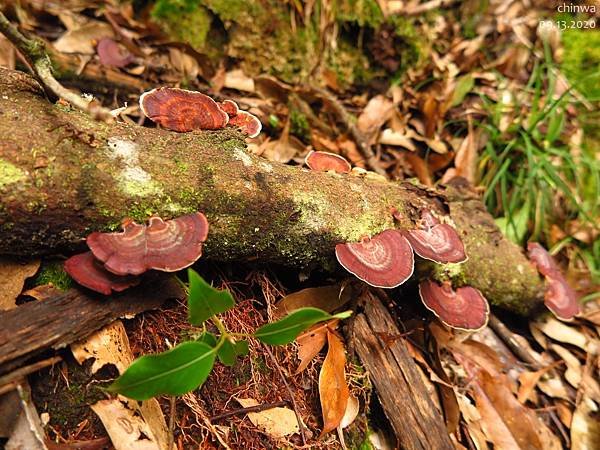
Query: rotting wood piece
x=34, y=327
x=63, y=175
x=415, y=419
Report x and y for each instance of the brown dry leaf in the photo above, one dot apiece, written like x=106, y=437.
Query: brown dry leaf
x=377, y=112
x=561, y=332
x=333, y=389
x=506, y=422
x=327, y=298
x=42, y=292
x=12, y=278
x=83, y=39
x=109, y=345
x=133, y=428
x=465, y=161
x=184, y=63
x=472, y=417
x=585, y=427
x=397, y=138
x=237, y=79
x=283, y=149
x=419, y=167
x=349, y=150
x=276, y=422
x=529, y=380
x=310, y=344
x=431, y=112
x=7, y=53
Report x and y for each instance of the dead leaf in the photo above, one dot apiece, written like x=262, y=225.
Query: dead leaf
x=333, y=389
x=585, y=428
x=109, y=345
x=12, y=278
x=327, y=298
x=465, y=160
x=283, y=149
x=276, y=422
x=529, y=380
x=7, y=53
x=561, y=332
x=310, y=344
x=397, y=138
x=133, y=428
x=83, y=39
x=419, y=167
x=377, y=112
x=237, y=79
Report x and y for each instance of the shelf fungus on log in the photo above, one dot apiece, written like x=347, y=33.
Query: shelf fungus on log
x=436, y=241
x=246, y=122
x=182, y=110
x=325, y=162
x=464, y=308
x=162, y=245
x=385, y=260
x=90, y=273
x=559, y=297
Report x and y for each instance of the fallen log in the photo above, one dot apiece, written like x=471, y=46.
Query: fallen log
x=63, y=175
x=30, y=329
x=407, y=404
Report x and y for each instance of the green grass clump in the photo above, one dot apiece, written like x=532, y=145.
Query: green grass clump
x=183, y=20
x=54, y=273
x=533, y=176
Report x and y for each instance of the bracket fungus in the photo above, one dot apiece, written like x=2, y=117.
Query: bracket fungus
x=436, y=241
x=325, y=161
x=246, y=122
x=464, y=308
x=386, y=260
x=230, y=107
x=182, y=110
x=162, y=245
x=89, y=272
x=560, y=298
x=110, y=54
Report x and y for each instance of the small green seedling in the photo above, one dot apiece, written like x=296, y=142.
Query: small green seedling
x=186, y=366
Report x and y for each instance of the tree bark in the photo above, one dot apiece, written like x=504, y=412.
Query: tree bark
x=63, y=175
x=417, y=423
x=58, y=321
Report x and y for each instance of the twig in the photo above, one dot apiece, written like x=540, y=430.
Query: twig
x=290, y=392
x=344, y=116
x=34, y=52
x=11, y=377
x=172, y=405
x=249, y=409
x=517, y=344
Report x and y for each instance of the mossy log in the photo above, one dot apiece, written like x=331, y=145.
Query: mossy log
x=63, y=175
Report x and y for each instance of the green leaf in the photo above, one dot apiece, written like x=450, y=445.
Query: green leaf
x=208, y=338
x=287, y=329
x=464, y=85
x=204, y=301
x=174, y=372
x=230, y=350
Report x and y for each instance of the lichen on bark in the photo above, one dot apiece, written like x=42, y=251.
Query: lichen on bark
x=257, y=210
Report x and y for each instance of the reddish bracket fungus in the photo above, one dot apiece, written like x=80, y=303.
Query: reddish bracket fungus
x=325, y=161
x=110, y=54
x=436, y=241
x=89, y=272
x=464, y=308
x=386, y=260
x=182, y=110
x=246, y=122
x=560, y=298
x=163, y=245
x=230, y=107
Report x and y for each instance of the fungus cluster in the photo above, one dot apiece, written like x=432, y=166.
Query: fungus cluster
x=116, y=260
x=386, y=260
x=182, y=110
x=560, y=298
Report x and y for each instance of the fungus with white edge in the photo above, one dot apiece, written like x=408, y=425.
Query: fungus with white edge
x=182, y=110
x=385, y=260
x=325, y=161
x=464, y=308
x=559, y=297
x=163, y=245
x=89, y=272
x=246, y=122
x=436, y=241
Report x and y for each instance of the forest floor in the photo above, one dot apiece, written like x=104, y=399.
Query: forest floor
x=504, y=95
